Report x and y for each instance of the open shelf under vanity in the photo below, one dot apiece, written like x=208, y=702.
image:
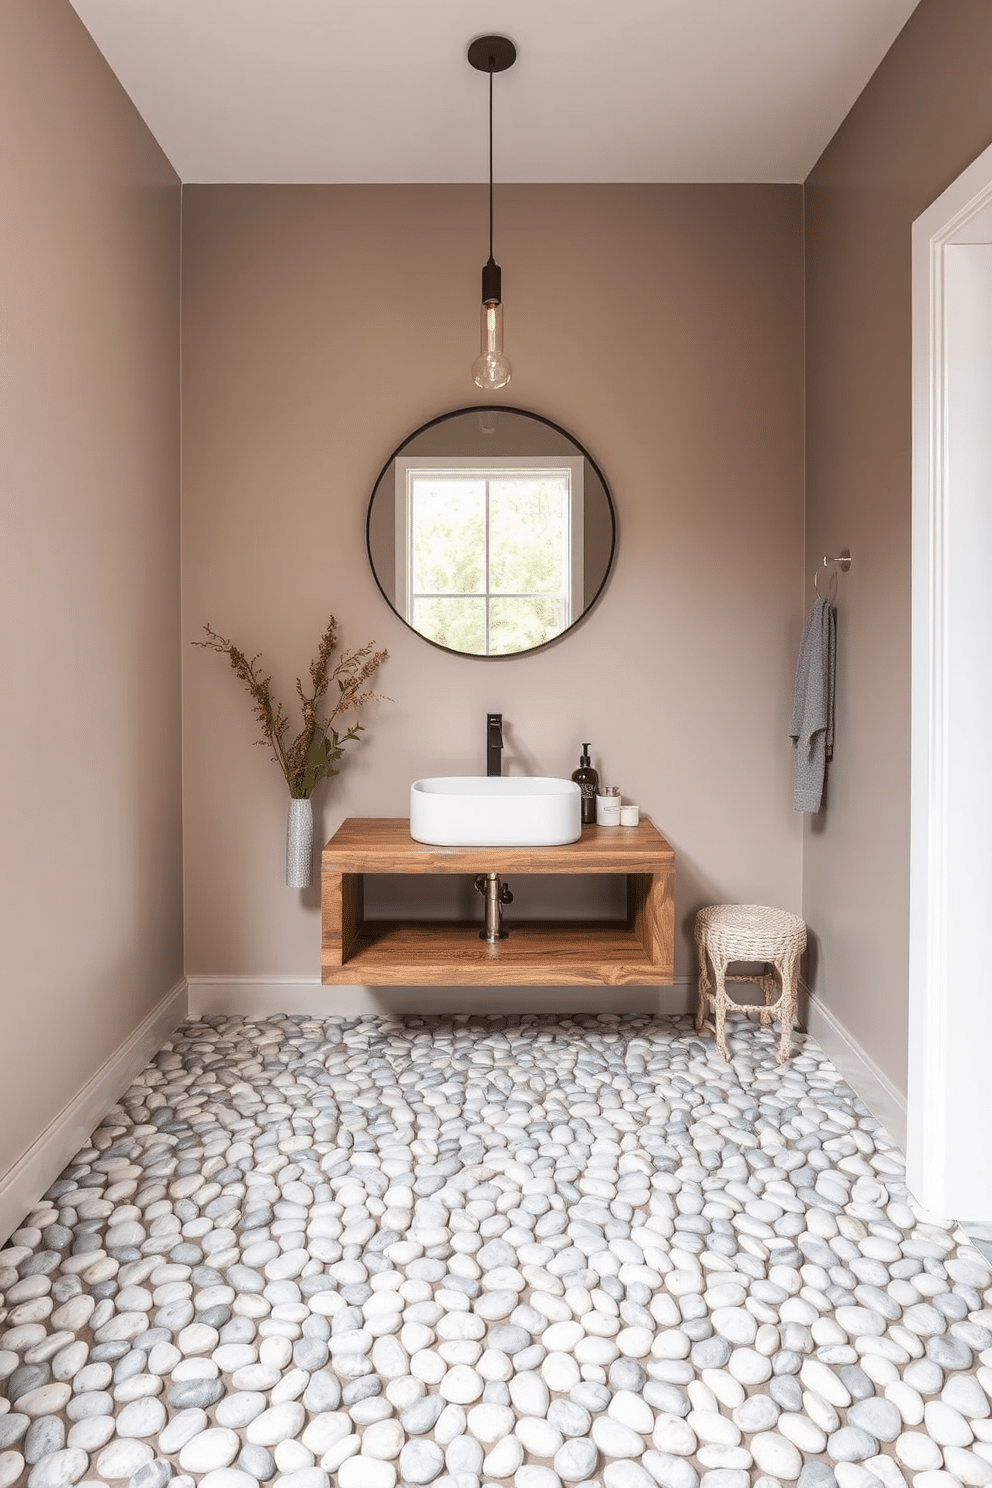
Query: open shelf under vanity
x=638, y=948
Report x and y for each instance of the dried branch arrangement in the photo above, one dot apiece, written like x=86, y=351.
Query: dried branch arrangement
x=314, y=754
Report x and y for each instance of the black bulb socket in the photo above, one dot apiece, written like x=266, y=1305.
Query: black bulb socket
x=492, y=282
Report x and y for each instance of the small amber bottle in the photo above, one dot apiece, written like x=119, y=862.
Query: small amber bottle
x=587, y=779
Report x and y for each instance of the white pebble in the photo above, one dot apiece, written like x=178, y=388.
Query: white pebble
x=774, y=1454
x=633, y=1411
x=488, y=1422
x=216, y=1447
x=539, y=1437
x=673, y=1434
x=917, y=1451
x=366, y=1472
x=461, y=1384
x=946, y=1425
x=276, y=1424
x=907, y=1401
x=614, y=1439
x=802, y=1432
x=503, y=1460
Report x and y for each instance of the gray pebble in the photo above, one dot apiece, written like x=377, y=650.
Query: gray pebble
x=711, y=1353
x=316, y=1326
x=41, y=1263
x=858, y=1384
x=786, y=1391
x=816, y=1475
x=975, y=1335
x=46, y=1434
x=154, y=1474
x=509, y=1338
x=420, y=1417
x=667, y=1398
x=323, y=1393
x=195, y=1394
x=214, y=1317
x=948, y=1352
x=257, y=1462
x=175, y=1315
x=12, y=1428
x=851, y=1444
x=591, y=1396
x=626, y=1374
x=360, y=1389
x=877, y=1416
x=529, y=1358
x=25, y=1379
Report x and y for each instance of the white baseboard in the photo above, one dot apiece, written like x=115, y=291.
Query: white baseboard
x=883, y=1099
x=23, y=1184
x=259, y=996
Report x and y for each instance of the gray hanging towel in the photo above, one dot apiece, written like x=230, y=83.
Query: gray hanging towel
x=812, y=726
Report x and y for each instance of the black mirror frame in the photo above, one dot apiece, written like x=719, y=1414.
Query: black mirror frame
x=580, y=449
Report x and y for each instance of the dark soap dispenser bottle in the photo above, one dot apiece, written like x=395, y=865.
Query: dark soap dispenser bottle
x=587, y=779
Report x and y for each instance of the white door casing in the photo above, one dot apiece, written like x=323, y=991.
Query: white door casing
x=949, y=1167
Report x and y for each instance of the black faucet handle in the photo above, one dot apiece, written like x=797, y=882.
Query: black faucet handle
x=494, y=743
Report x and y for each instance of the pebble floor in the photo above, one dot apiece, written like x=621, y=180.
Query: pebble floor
x=532, y=1252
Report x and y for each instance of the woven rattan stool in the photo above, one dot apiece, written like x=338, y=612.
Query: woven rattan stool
x=727, y=933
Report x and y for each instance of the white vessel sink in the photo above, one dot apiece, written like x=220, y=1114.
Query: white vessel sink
x=495, y=811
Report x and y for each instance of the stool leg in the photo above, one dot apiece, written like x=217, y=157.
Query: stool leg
x=720, y=1001
x=702, y=1002
x=769, y=988
x=789, y=972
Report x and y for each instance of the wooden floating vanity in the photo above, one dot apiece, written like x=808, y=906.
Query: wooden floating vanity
x=638, y=949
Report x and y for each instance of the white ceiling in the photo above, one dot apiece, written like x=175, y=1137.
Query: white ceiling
x=603, y=90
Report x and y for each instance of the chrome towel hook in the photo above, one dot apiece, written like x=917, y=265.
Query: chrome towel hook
x=840, y=563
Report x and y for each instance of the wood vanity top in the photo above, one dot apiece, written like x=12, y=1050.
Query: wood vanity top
x=638, y=948
x=382, y=844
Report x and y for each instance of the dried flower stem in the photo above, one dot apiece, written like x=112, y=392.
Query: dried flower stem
x=313, y=755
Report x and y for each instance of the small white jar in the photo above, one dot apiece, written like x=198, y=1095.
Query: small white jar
x=608, y=806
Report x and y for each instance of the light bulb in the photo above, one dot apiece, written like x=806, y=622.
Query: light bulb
x=491, y=370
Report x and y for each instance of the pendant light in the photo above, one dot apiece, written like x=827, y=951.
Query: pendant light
x=491, y=369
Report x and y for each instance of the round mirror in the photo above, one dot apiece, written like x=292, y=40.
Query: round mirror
x=491, y=531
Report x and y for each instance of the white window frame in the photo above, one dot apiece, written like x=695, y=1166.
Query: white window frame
x=409, y=466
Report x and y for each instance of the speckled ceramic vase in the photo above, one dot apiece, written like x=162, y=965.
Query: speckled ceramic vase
x=299, y=844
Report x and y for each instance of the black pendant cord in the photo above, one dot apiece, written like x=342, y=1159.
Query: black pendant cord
x=492, y=63
x=491, y=54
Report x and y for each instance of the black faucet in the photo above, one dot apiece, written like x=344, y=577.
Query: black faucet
x=494, y=743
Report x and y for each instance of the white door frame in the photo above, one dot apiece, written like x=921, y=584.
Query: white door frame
x=950, y=1003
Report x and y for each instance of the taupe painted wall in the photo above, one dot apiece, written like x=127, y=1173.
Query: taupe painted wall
x=89, y=591
x=925, y=115
x=663, y=325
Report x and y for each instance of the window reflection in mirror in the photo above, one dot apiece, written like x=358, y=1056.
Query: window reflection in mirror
x=490, y=532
